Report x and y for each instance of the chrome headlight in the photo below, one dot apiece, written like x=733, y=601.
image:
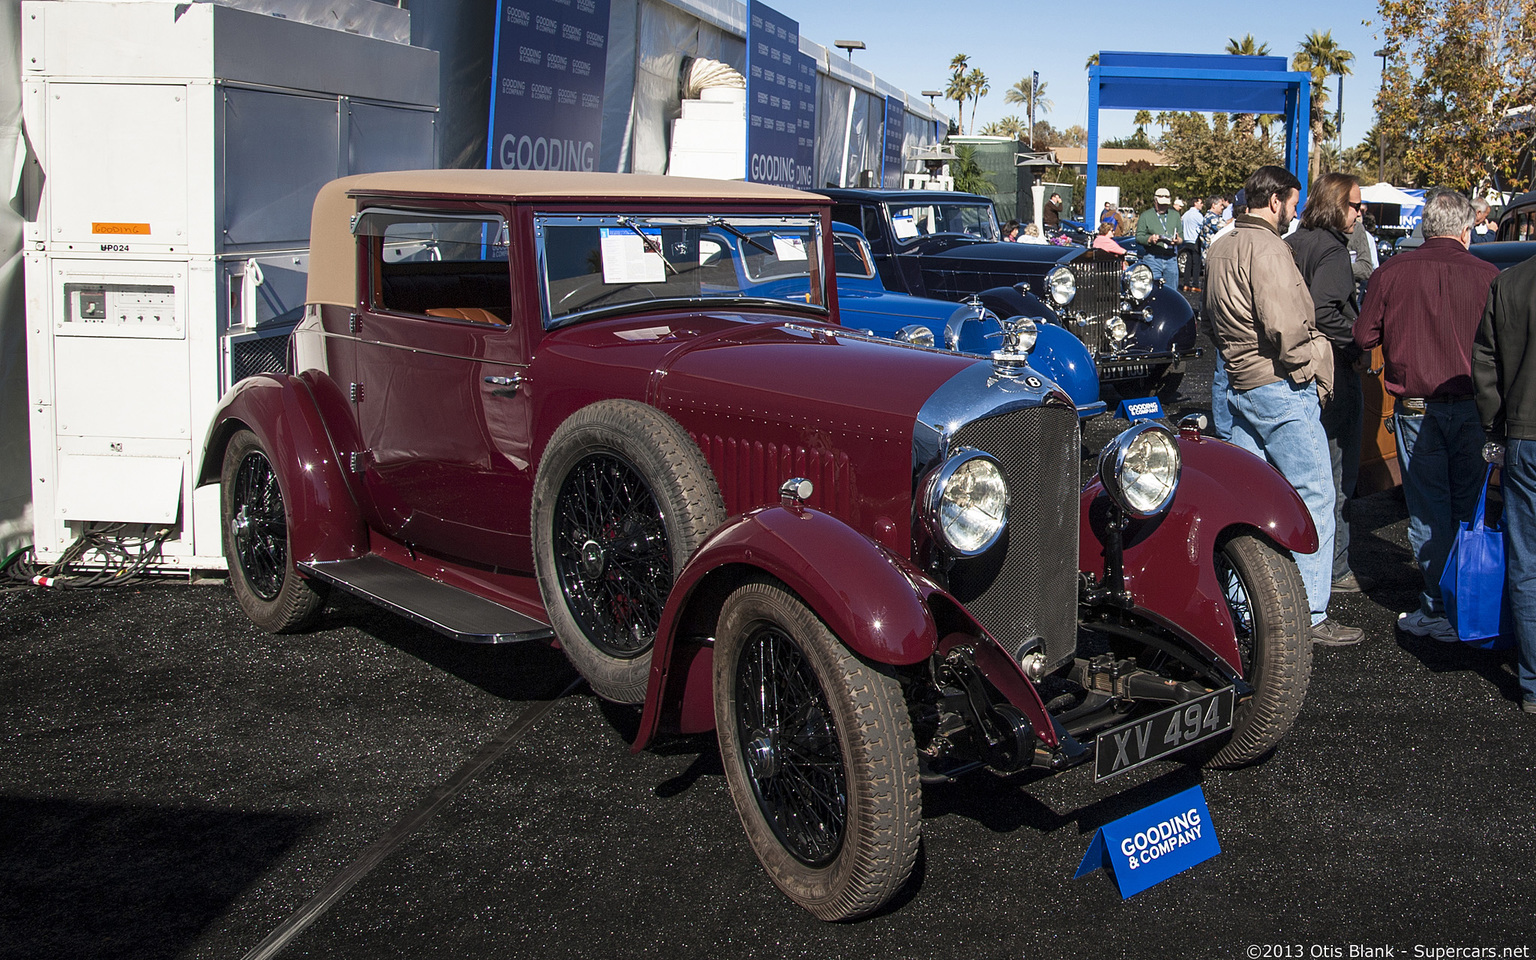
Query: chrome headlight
x=1138, y=282
x=915, y=333
x=1116, y=329
x=1061, y=285
x=967, y=502
x=1140, y=469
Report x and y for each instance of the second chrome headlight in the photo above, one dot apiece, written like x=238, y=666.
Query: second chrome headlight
x=967, y=502
x=1140, y=469
x=1139, y=282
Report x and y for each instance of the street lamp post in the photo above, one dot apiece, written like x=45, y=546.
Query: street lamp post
x=850, y=46
x=1381, y=136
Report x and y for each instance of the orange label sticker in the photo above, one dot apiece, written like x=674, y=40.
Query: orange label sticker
x=117, y=229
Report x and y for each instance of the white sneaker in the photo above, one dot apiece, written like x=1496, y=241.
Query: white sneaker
x=1435, y=628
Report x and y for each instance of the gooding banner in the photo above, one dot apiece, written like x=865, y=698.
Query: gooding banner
x=895, y=139
x=781, y=100
x=551, y=57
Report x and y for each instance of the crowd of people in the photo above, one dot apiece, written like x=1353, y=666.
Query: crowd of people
x=1458, y=343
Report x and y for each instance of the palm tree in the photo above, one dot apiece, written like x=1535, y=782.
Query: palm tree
x=957, y=89
x=1242, y=123
x=1163, y=119
x=978, y=87
x=1093, y=61
x=1009, y=126
x=1031, y=95
x=1320, y=55
x=1142, y=119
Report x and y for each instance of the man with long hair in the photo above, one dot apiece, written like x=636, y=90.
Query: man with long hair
x=1320, y=247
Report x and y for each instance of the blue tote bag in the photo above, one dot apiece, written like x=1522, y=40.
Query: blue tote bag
x=1473, y=581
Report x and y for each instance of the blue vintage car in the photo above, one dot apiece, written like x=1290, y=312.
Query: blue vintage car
x=931, y=243
x=755, y=258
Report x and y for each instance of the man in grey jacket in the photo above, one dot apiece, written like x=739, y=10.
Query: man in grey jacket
x=1280, y=369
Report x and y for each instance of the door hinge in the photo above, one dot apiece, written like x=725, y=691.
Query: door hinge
x=354, y=323
x=355, y=391
x=355, y=461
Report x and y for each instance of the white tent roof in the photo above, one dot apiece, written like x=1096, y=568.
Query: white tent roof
x=1386, y=193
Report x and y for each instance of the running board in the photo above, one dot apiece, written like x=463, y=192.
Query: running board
x=447, y=609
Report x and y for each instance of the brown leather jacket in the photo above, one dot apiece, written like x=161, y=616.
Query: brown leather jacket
x=1261, y=313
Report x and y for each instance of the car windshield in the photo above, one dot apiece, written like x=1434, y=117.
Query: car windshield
x=911, y=221
x=598, y=262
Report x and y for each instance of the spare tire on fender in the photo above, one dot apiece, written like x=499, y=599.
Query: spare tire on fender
x=621, y=500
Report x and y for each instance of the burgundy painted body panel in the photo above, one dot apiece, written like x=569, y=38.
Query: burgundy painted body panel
x=1170, y=560
x=869, y=597
x=326, y=523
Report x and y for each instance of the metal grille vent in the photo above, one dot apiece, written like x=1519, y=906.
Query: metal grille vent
x=250, y=356
x=1029, y=588
x=750, y=472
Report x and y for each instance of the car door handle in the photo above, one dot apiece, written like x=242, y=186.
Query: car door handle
x=506, y=386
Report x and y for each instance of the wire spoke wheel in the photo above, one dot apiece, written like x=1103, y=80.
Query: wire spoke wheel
x=1270, y=618
x=790, y=747
x=621, y=500
x=818, y=754
x=259, y=528
x=613, y=558
x=255, y=517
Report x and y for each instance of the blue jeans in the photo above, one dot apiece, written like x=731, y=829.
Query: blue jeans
x=1221, y=399
x=1440, y=456
x=1282, y=423
x=1165, y=267
x=1519, y=478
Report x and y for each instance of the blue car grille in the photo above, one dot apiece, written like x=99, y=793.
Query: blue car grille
x=1098, y=299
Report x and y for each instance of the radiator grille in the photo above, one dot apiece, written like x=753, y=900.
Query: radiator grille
x=1098, y=298
x=1029, y=588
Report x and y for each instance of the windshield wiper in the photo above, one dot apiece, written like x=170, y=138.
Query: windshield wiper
x=651, y=243
x=720, y=222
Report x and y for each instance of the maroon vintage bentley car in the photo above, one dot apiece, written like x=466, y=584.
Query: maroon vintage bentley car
x=526, y=406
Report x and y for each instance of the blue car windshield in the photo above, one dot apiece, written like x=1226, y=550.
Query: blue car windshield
x=911, y=221
x=597, y=262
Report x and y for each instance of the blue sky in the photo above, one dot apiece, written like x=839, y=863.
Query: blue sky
x=910, y=43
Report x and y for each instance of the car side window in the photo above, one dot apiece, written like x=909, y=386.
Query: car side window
x=853, y=258
x=444, y=265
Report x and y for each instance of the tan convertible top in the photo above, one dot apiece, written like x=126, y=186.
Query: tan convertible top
x=333, y=255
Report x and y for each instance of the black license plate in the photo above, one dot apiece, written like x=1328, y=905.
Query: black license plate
x=1164, y=732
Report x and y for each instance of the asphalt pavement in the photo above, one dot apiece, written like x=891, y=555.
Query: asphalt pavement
x=175, y=783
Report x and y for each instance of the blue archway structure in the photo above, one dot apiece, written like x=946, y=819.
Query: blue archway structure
x=1206, y=83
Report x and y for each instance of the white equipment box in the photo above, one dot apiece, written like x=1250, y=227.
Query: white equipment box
x=181, y=147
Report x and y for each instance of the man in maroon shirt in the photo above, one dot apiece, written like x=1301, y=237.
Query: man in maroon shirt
x=1423, y=307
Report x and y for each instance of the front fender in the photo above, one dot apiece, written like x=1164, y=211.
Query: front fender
x=1172, y=327
x=324, y=522
x=1170, y=567
x=867, y=596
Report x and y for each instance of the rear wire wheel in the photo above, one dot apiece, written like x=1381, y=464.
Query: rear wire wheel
x=818, y=754
x=255, y=530
x=1269, y=610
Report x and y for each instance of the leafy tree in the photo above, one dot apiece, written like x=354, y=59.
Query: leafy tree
x=1246, y=47
x=1136, y=141
x=1319, y=55
x=976, y=88
x=1458, y=68
x=1074, y=136
x=1212, y=157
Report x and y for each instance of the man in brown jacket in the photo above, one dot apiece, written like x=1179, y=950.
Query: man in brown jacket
x=1280, y=369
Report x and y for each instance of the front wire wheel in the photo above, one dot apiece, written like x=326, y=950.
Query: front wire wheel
x=1269, y=610
x=818, y=754
x=255, y=534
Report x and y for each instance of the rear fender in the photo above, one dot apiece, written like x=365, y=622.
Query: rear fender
x=324, y=520
x=1170, y=560
x=871, y=599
